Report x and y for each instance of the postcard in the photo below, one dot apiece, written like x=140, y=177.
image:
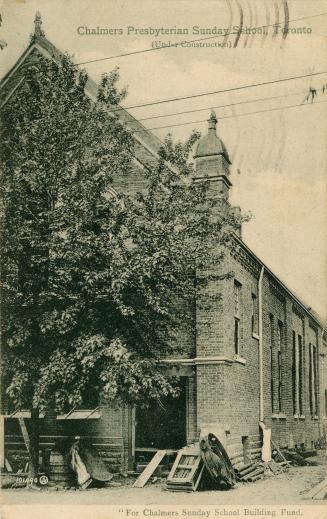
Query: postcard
x=164, y=258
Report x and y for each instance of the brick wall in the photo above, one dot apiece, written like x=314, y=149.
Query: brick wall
x=228, y=393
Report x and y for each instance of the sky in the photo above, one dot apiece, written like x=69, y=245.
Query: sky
x=278, y=156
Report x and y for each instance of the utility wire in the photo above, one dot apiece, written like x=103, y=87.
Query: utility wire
x=174, y=45
x=222, y=106
x=224, y=90
x=230, y=116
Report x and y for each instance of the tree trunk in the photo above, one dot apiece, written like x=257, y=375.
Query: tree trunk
x=34, y=445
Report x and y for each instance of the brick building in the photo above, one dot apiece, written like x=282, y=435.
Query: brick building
x=261, y=359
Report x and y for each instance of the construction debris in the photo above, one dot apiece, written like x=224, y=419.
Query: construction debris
x=187, y=470
x=318, y=491
x=251, y=472
x=150, y=469
x=88, y=466
x=277, y=468
x=83, y=477
x=216, y=461
x=308, y=454
x=207, y=463
x=94, y=464
x=294, y=457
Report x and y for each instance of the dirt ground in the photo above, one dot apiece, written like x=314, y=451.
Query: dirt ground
x=287, y=488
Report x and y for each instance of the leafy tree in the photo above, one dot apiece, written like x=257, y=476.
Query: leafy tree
x=94, y=287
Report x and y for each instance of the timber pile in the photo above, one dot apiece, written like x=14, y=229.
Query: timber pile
x=255, y=468
x=294, y=457
x=251, y=471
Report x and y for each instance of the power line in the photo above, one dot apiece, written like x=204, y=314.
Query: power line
x=230, y=116
x=223, y=106
x=224, y=90
x=174, y=45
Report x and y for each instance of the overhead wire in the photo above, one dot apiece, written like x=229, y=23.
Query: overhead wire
x=224, y=90
x=211, y=107
x=231, y=116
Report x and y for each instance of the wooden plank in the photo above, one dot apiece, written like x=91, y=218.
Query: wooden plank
x=149, y=470
x=248, y=470
x=8, y=466
x=169, y=452
x=243, y=467
x=248, y=477
x=24, y=433
x=2, y=441
x=175, y=465
x=196, y=484
x=275, y=447
x=316, y=490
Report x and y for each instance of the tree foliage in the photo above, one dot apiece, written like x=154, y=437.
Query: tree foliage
x=94, y=286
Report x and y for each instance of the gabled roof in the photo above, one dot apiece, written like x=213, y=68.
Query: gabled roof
x=305, y=307
x=39, y=43
x=207, y=146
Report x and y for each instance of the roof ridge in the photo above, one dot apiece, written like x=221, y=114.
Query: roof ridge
x=39, y=41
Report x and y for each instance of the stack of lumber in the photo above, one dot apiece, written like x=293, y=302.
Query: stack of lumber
x=187, y=470
x=251, y=471
x=308, y=454
x=294, y=457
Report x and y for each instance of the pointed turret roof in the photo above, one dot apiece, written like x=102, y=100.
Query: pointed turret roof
x=210, y=144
